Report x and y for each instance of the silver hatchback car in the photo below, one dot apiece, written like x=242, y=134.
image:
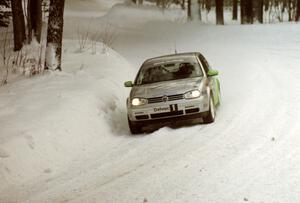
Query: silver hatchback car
x=173, y=90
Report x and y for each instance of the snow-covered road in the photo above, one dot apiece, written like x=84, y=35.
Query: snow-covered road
x=250, y=154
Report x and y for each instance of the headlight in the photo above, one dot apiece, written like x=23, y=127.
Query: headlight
x=138, y=101
x=192, y=94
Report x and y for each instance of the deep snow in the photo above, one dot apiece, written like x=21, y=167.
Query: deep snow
x=64, y=136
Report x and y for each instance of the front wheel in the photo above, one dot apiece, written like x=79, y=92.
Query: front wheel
x=210, y=118
x=134, y=127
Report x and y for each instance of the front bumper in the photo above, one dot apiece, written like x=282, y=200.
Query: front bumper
x=173, y=122
x=184, y=109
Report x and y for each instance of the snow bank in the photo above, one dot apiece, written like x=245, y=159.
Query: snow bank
x=54, y=120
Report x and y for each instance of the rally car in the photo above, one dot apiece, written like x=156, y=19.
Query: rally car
x=173, y=89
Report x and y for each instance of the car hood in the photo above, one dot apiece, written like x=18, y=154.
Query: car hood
x=172, y=87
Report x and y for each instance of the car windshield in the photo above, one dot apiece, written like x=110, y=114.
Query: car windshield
x=173, y=69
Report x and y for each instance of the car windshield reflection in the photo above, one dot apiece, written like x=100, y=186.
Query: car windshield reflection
x=166, y=71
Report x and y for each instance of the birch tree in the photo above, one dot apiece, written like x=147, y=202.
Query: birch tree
x=54, y=35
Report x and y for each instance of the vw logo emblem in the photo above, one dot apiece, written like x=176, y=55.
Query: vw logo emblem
x=165, y=98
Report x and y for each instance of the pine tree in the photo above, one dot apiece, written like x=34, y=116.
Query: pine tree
x=54, y=35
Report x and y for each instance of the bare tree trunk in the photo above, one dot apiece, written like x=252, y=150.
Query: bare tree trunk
x=34, y=19
x=258, y=10
x=18, y=24
x=266, y=3
x=290, y=9
x=246, y=12
x=284, y=5
x=199, y=10
x=298, y=11
x=219, y=12
x=54, y=35
x=183, y=4
x=189, y=10
x=234, y=9
x=249, y=10
x=208, y=5
x=38, y=25
x=29, y=26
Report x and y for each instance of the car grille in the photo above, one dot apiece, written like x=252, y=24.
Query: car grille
x=167, y=114
x=160, y=99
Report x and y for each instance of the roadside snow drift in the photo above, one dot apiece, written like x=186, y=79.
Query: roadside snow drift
x=52, y=121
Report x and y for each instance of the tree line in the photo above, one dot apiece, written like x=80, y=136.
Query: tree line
x=250, y=10
x=27, y=17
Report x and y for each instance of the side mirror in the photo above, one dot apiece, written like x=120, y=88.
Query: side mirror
x=212, y=73
x=128, y=84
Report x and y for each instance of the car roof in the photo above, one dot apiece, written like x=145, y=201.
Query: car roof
x=171, y=57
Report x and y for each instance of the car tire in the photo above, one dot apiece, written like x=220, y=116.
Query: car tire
x=210, y=118
x=134, y=127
